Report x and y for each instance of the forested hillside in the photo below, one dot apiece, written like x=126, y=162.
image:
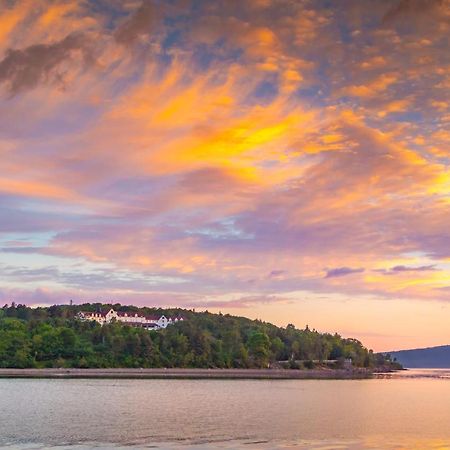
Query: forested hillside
x=54, y=337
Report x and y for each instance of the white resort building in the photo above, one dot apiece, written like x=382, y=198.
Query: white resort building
x=131, y=319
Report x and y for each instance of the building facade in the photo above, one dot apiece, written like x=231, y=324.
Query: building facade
x=153, y=322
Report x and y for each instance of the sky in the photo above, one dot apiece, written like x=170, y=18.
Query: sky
x=286, y=160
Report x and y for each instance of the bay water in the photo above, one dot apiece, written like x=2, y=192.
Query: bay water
x=407, y=410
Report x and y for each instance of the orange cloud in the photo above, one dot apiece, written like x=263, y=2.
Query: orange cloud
x=248, y=148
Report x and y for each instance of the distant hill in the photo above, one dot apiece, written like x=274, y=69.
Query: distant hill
x=432, y=357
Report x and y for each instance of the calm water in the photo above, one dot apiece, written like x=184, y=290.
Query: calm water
x=408, y=411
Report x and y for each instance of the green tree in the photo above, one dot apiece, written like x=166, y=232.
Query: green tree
x=258, y=347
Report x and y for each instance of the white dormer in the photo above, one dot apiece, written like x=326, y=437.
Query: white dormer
x=110, y=315
x=163, y=322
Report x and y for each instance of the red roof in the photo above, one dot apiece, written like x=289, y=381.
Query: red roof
x=93, y=313
x=128, y=314
x=153, y=317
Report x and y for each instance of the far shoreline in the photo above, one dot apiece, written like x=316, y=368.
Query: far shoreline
x=173, y=373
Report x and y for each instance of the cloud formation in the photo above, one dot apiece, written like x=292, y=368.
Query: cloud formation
x=22, y=69
x=210, y=149
x=413, y=269
x=405, y=8
x=342, y=271
x=138, y=24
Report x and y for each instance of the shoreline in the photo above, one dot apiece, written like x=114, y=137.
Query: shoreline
x=172, y=373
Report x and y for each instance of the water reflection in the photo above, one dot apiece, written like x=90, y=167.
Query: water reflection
x=416, y=373
x=343, y=444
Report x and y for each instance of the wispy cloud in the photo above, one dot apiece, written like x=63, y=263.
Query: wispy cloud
x=22, y=69
x=138, y=24
x=342, y=271
x=236, y=146
x=413, y=269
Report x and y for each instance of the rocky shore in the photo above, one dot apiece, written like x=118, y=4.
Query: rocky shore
x=171, y=373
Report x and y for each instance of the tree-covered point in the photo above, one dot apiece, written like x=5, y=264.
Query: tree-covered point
x=54, y=337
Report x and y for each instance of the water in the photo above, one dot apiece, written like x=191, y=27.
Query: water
x=410, y=410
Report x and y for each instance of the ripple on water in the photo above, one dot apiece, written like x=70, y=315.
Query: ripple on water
x=410, y=410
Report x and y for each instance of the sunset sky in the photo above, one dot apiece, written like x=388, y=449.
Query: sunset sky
x=278, y=159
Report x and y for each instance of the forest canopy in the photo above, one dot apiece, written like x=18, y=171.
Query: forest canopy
x=52, y=336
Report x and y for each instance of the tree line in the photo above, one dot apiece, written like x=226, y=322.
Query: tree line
x=52, y=336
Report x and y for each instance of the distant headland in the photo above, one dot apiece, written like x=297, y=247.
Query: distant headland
x=431, y=357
